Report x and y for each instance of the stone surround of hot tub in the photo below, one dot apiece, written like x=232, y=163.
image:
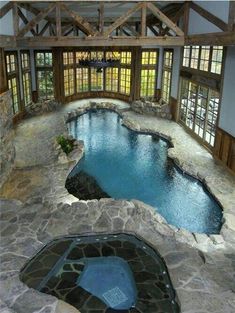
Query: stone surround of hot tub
x=201, y=267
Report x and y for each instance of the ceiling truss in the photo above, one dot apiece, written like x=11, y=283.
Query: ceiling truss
x=142, y=24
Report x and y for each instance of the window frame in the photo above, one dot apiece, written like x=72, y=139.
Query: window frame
x=167, y=69
x=14, y=75
x=24, y=71
x=148, y=67
x=47, y=68
x=206, y=122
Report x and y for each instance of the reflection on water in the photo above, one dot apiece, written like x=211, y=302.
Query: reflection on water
x=129, y=165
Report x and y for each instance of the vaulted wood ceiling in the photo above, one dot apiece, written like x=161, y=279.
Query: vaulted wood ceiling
x=108, y=23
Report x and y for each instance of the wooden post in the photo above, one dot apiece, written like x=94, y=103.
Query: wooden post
x=186, y=17
x=101, y=18
x=58, y=74
x=15, y=18
x=143, y=19
x=58, y=20
x=231, y=17
x=3, y=72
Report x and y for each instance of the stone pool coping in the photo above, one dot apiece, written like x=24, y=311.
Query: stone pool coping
x=187, y=166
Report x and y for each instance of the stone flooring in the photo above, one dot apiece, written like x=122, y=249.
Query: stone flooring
x=202, y=268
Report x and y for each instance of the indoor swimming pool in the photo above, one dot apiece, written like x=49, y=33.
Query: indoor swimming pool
x=131, y=165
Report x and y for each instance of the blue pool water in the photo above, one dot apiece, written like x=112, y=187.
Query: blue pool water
x=128, y=165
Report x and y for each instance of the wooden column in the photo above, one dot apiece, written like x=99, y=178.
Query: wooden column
x=15, y=18
x=58, y=20
x=58, y=74
x=101, y=18
x=136, y=73
x=186, y=17
x=3, y=72
x=143, y=19
x=231, y=17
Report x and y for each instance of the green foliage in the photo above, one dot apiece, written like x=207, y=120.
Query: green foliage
x=65, y=143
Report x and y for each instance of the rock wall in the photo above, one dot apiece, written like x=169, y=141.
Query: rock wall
x=152, y=108
x=7, y=150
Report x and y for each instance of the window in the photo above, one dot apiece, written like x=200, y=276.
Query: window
x=26, y=77
x=97, y=80
x=69, y=73
x=111, y=79
x=204, y=58
x=194, y=57
x=199, y=110
x=125, y=73
x=82, y=79
x=217, y=57
x=13, y=79
x=186, y=58
x=166, y=75
x=44, y=74
x=69, y=82
x=125, y=81
x=68, y=58
x=148, y=74
x=126, y=57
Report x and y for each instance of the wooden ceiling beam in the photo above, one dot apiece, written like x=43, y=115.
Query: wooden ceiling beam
x=25, y=21
x=213, y=39
x=33, y=42
x=209, y=16
x=86, y=27
x=122, y=19
x=6, y=8
x=36, y=20
x=163, y=18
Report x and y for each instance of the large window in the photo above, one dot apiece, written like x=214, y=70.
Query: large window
x=111, y=79
x=125, y=73
x=199, y=109
x=69, y=79
x=148, y=74
x=44, y=74
x=166, y=74
x=13, y=79
x=204, y=58
x=26, y=77
x=82, y=73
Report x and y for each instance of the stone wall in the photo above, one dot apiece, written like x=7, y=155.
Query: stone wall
x=159, y=109
x=7, y=150
x=42, y=106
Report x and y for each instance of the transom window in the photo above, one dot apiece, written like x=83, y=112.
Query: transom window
x=199, y=109
x=204, y=58
x=216, y=61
